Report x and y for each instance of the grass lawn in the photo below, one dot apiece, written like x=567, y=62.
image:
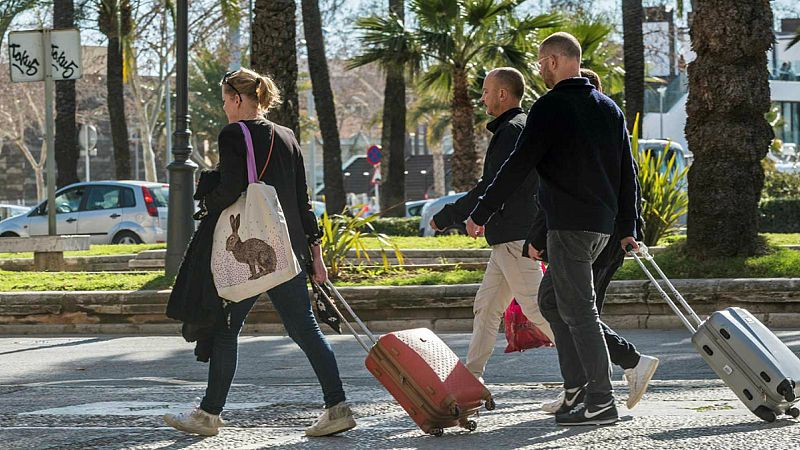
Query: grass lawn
x=98, y=250
x=404, y=242
x=82, y=281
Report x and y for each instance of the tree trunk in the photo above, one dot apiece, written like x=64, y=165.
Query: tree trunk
x=41, y=189
x=66, y=133
x=726, y=128
x=148, y=155
x=465, y=159
x=439, y=188
x=633, y=59
x=116, y=110
x=326, y=109
x=393, y=135
x=274, y=37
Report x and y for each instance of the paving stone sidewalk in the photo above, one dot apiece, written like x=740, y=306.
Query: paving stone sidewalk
x=109, y=393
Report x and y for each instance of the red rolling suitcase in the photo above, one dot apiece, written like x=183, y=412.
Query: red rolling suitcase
x=422, y=373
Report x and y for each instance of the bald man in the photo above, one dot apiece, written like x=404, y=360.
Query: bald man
x=508, y=274
x=576, y=140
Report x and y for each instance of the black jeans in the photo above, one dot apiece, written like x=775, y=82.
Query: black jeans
x=622, y=352
x=294, y=306
x=567, y=301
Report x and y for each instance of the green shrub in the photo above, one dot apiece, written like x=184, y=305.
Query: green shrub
x=344, y=233
x=397, y=226
x=663, y=191
x=780, y=215
x=780, y=185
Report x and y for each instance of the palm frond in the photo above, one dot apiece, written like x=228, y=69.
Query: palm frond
x=437, y=15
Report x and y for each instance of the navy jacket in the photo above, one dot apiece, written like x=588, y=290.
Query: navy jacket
x=575, y=138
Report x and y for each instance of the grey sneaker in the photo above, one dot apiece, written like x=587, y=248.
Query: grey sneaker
x=552, y=407
x=638, y=378
x=195, y=421
x=336, y=419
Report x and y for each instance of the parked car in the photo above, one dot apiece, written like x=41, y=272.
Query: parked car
x=7, y=211
x=414, y=208
x=431, y=209
x=656, y=146
x=111, y=212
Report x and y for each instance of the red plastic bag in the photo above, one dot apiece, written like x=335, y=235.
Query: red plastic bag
x=521, y=333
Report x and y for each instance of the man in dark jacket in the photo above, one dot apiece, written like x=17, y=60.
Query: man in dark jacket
x=638, y=368
x=575, y=138
x=508, y=273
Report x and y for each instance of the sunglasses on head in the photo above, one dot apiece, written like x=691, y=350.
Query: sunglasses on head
x=225, y=80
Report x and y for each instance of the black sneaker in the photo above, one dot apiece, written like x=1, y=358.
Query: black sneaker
x=571, y=400
x=584, y=414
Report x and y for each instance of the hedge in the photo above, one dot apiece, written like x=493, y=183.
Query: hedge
x=779, y=216
x=397, y=226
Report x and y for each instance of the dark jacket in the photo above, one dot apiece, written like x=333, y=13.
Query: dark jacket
x=512, y=221
x=575, y=137
x=285, y=172
x=194, y=299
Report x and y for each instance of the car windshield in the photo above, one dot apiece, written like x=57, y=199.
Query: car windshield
x=160, y=195
x=655, y=151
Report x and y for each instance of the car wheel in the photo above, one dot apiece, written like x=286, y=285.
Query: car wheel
x=126, y=237
x=9, y=234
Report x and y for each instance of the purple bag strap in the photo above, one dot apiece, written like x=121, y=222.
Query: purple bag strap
x=251, y=157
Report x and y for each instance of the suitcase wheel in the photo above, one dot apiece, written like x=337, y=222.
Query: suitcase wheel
x=469, y=425
x=794, y=412
x=489, y=405
x=438, y=432
x=786, y=389
x=765, y=414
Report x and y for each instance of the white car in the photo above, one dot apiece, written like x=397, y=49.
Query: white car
x=431, y=209
x=111, y=212
x=7, y=211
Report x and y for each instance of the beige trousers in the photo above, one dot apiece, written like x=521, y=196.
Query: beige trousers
x=508, y=275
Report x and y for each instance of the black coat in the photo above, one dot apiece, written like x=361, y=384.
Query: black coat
x=512, y=221
x=194, y=299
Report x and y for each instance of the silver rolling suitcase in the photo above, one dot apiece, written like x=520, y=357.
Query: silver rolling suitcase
x=760, y=369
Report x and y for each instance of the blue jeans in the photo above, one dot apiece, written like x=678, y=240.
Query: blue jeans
x=293, y=304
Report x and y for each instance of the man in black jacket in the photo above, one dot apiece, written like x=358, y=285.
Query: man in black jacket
x=508, y=274
x=575, y=138
x=638, y=368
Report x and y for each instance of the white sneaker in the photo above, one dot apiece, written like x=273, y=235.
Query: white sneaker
x=195, y=421
x=336, y=419
x=552, y=407
x=638, y=379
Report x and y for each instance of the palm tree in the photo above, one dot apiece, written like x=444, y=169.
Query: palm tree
x=116, y=23
x=66, y=133
x=726, y=127
x=326, y=109
x=452, y=40
x=633, y=50
x=274, y=34
x=393, y=131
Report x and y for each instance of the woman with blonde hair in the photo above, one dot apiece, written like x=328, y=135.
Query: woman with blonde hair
x=246, y=97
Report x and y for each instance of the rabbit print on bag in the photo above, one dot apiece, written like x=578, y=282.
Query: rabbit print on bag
x=256, y=253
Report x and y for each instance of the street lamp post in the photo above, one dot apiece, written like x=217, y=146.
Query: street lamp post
x=180, y=225
x=661, y=91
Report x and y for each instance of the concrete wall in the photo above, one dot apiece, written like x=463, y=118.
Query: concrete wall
x=630, y=304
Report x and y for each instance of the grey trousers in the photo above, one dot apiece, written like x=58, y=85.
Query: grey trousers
x=567, y=301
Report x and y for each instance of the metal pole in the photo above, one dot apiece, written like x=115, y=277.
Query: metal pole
x=661, y=114
x=49, y=87
x=168, y=116
x=86, y=139
x=180, y=225
x=312, y=146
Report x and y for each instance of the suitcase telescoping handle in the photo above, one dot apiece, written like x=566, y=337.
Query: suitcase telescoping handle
x=350, y=311
x=647, y=256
